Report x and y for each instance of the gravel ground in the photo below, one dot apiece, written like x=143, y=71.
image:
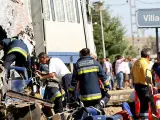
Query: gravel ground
x=112, y=110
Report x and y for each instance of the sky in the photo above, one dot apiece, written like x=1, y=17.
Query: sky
x=122, y=9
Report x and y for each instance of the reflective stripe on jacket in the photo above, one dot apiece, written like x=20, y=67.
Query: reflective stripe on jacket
x=15, y=45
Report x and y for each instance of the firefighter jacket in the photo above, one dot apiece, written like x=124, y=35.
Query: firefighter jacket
x=15, y=45
x=86, y=73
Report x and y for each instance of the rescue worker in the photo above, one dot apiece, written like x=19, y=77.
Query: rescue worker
x=157, y=72
x=86, y=76
x=57, y=69
x=140, y=76
x=15, y=50
x=157, y=77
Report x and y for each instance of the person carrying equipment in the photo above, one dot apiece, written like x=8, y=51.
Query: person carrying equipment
x=15, y=50
x=86, y=76
x=141, y=80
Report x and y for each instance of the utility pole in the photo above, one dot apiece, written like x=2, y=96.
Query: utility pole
x=99, y=7
x=102, y=30
x=134, y=29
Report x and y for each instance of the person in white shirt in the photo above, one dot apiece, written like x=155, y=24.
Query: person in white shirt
x=126, y=74
x=59, y=70
x=120, y=71
x=107, y=67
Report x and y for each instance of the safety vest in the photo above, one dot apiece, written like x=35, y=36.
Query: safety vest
x=157, y=82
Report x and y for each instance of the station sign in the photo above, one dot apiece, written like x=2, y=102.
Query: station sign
x=148, y=18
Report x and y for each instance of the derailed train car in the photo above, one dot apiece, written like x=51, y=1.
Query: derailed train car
x=62, y=27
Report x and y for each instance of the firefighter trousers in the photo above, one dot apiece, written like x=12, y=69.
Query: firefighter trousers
x=54, y=95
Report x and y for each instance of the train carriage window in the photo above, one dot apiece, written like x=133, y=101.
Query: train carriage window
x=70, y=10
x=77, y=11
x=59, y=8
x=52, y=10
x=46, y=12
x=88, y=12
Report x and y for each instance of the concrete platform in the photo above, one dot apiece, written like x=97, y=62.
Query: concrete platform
x=119, y=96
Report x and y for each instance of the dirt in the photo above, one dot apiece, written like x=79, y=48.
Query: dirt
x=112, y=110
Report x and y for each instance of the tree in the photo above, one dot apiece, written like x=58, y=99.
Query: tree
x=113, y=34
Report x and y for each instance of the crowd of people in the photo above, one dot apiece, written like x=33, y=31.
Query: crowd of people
x=119, y=72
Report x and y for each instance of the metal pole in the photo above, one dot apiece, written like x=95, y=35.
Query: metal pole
x=84, y=26
x=102, y=32
x=130, y=3
x=157, y=43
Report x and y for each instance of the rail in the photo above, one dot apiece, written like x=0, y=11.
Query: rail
x=28, y=98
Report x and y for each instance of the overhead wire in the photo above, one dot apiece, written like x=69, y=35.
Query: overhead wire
x=116, y=4
x=147, y=2
x=141, y=1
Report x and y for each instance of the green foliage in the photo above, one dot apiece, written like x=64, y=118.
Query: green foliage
x=113, y=35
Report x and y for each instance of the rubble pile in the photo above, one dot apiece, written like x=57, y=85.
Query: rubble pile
x=15, y=16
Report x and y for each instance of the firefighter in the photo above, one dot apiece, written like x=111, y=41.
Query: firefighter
x=86, y=76
x=15, y=50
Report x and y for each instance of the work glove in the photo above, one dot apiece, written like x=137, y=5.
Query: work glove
x=107, y=88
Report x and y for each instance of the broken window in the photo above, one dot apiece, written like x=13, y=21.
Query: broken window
x=88, y=12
